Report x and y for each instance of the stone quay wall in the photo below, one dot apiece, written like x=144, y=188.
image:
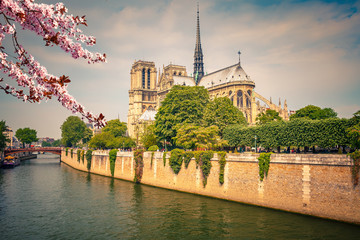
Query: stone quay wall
x=313, y=184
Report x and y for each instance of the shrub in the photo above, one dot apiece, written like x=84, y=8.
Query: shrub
x=153, y=148
x=71, y=153
x=66, y=151
x=112, y=158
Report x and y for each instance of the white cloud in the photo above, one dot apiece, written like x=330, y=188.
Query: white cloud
x=305, y=52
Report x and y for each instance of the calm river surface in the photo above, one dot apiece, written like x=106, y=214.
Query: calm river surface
x=44, y=199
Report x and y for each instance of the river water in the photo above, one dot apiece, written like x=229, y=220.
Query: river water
x=45, y=199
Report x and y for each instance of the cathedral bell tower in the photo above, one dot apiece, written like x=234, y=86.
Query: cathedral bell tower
x=142, y=93
x=198, y=55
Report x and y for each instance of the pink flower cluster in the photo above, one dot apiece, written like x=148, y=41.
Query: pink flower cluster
x=57, y=28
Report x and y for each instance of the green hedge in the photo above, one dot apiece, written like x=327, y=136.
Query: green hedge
x=300, y=132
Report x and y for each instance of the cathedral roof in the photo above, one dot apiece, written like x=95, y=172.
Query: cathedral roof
x=232, y=73
x=184, y=81
x=148, y=115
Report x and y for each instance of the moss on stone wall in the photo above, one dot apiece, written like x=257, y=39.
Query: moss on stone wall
x=88, y=159
x=355, y=167
x=187, y=158
x=139, y=165
x=222, y=162
x=264, y=165
x=78, y=152
x=112, y=159
x=176, y=160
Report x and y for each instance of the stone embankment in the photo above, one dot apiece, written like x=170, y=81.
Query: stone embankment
x=313, y=184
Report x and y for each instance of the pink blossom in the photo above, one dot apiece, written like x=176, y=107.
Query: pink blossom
x=56, y=27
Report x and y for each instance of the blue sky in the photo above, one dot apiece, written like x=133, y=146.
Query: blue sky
x=307, y=52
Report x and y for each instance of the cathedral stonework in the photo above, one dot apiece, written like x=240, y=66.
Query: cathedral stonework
x=148, y=90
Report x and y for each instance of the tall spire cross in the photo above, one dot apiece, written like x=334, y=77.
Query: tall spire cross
x=198, y=55
x=239, y=58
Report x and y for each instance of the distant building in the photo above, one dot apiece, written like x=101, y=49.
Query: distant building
x=93, y=129
x=149, y=88
x=14, y=142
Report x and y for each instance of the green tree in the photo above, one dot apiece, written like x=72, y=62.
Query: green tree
x=87, y=135
x=221, y=112
x=182, y=104
x=353, y=132
x=72, y=131
x=45, y=144
x=268, y=116
x=112, y=136
x=56, y=143
x=148, y=138
x=26, y=135
x=106, y=140
x=193, y=137
x=314, y=113
x=3, y=137
x=115, y=127
x=102, y=140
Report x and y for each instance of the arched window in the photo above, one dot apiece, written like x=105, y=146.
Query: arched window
x=143, y=78
x=248, y=99
x=150, y=108
x=230, y=92
x=148, y=79
x=240, y=99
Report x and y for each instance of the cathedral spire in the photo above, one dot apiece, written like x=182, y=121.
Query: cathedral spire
x=198, y=55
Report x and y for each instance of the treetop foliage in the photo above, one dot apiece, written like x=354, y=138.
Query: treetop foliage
x=182, y=104
x=112, y=136
x=268, y=116
x=3, y=137
x=73, y=130
x=221, y=112
x=314, y=113
x=26, y=135
x=115, y=127
x=193, y=137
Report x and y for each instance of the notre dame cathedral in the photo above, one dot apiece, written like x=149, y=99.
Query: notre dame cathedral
x=149, y=88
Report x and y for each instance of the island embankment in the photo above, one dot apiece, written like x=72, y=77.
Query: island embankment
x=319, y=185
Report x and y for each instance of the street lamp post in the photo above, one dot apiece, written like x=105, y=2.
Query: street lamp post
x=255, y=144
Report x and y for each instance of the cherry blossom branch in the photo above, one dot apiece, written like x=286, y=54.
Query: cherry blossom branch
x=56, y=27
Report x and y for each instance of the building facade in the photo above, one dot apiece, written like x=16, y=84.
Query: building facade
x=149, y=88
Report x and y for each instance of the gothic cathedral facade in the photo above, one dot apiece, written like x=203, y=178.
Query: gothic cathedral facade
x=149, y=88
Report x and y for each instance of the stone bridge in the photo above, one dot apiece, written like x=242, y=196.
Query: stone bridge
x=54, y=150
